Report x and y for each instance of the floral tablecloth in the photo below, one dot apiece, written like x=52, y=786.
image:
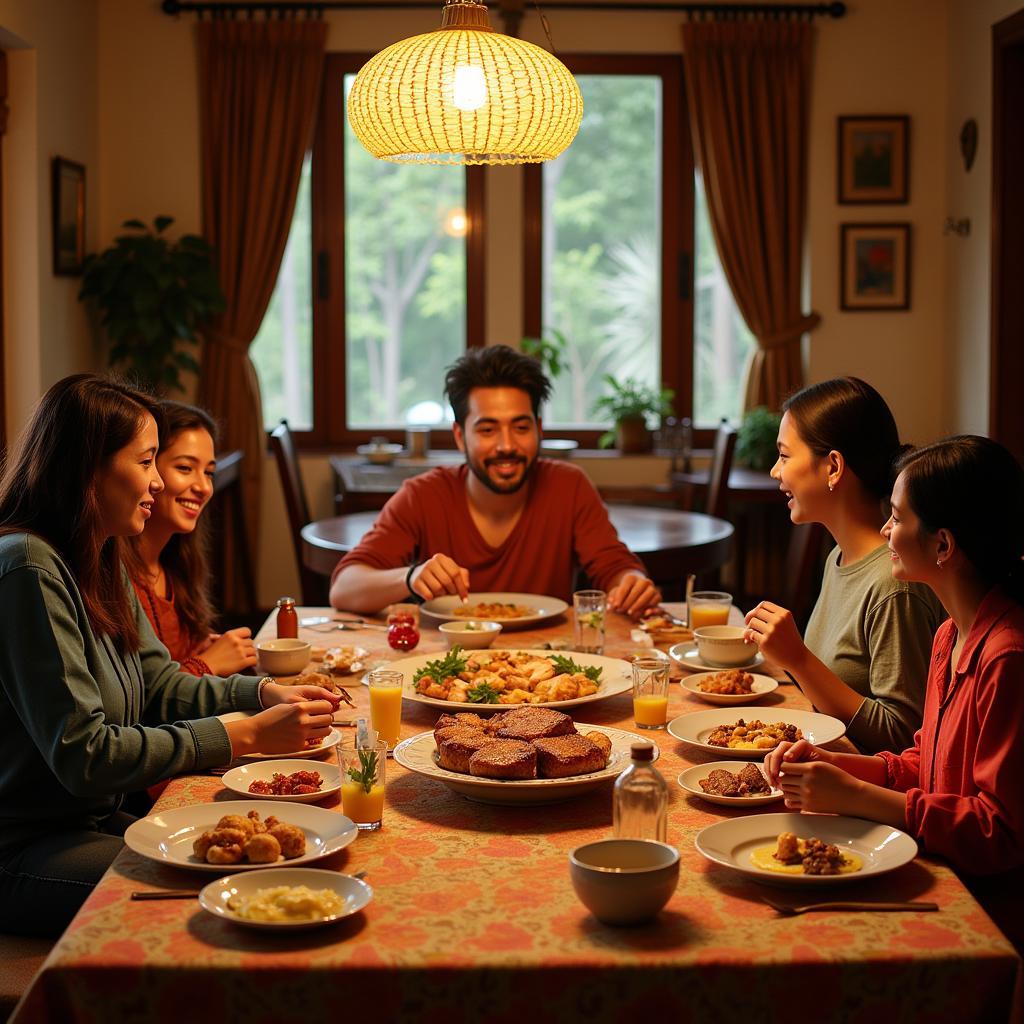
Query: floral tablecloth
x=474, y=919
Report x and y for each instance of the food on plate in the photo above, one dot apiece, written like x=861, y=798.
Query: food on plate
x=750, y=781
x=505, y=677
x=234, y=839
x=755, y=735
x=732, y=683
x=286, y=903
x=795, y=856
x=664, y=628
x=524, y=743
x=343, y=660
x=494, y=610
x=288, y=785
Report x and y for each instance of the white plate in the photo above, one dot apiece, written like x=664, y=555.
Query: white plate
x=761, y=686
x=616, y=678
x=690, y=781
x=239, y=779
x=167, y=837
x=215, y=896
x=687, y=656
x=441, y=608
x=694, y=728
x=329, y=741
x=418, y=754
x=881, y=847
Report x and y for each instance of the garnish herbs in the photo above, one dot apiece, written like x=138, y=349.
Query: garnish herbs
x=441, y=668
x=366, y=773
x=482, y=693
x=564, y=664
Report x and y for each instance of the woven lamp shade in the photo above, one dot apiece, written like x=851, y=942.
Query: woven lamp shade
x=465, y=94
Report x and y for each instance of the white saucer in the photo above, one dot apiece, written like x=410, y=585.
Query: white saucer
x=687, y=656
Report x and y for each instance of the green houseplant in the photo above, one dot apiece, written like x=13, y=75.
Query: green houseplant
x=628, y=406
x=153, y=295
x=756, y=438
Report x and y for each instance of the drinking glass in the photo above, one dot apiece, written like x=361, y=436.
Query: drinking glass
x=362, y=781
x=708, y=608
x=386, y=704
x=650, y=693
x=589, y=607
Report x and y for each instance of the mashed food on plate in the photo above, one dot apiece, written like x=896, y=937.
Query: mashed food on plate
x=287, y=903
x=795, y=856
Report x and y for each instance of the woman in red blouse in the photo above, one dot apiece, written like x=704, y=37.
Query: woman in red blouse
x=167, y=562
x=957, y=525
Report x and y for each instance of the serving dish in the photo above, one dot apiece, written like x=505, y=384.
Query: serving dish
x=761, y=686
x=239, y=779
x=167, y=837
x=442, y=609
x=419, y=754
x=694, y=728
x=882, y=848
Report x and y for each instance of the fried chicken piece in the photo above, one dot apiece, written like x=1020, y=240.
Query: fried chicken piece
x=257, y=825
x=236, y=821
x=262, y=849
x=231, y=854
x=602, y=741
x=752, y=781
x=788, y=850
x=720, y=782
x=291, y=838
x=202, y=845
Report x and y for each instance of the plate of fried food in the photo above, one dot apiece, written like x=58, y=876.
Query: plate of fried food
x=801, y=850
x=664, y=628
x=720, y=783
x=748, y=733
x=513, y=611
x=525, y=755
x=728, y=686
x=490, y=680
x=287, y=899
x=240, y=834
x=294, y=781
x=314, y=749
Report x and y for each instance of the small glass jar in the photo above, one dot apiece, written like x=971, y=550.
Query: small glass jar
x=287, y=619
x=403, y=626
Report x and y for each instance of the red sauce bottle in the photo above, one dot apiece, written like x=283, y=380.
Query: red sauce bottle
x=287, y=620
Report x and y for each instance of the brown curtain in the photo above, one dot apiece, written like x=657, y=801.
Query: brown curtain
x=748, y=84
x=258, y=88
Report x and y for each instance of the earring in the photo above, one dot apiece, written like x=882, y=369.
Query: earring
x=830, y=486
x=938, y=562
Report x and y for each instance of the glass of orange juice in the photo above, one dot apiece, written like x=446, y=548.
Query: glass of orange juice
x=650, y=693
x=362, y=781
x=708, y=608
x=386, y=705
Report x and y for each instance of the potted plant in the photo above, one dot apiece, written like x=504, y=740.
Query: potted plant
x=629, y=405
x=757, y=437
x=153, y=296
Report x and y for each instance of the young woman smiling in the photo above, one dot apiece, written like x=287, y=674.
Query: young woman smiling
x=864, y=655
x=90, y=705
x=167, y=562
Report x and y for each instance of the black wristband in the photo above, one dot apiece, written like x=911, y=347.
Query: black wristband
x=408, y=579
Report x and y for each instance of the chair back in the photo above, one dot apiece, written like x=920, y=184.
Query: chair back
x=282, y=444
x=803, y=565
x=721, y=466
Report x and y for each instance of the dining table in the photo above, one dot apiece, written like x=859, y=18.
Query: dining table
x=474, y=918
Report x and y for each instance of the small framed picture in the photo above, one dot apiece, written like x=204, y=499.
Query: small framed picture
x=68, y=217
x=874, y=267
x=874, y=160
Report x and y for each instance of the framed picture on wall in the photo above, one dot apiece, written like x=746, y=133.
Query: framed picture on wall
x=68, y=217
x=874, y=159
x=874, y=261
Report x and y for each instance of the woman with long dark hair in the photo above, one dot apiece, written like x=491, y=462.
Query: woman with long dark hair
x=168, y=562
x=957, y=525
x=864, y=655
x=91, y=707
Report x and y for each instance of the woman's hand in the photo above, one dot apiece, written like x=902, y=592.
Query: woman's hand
x=820, y=787
x=438, y=576
x=273, y=694
x=772, y=628
x=230, y=652
x=282, y=728
x=790, y=753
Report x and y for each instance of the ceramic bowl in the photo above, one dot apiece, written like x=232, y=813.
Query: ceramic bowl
x=471, y=634
x=724, y=645
x=624, y=881
x=380, y=454
x=285, y=657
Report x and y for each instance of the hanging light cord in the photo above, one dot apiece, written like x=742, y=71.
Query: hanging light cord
x=544, y=24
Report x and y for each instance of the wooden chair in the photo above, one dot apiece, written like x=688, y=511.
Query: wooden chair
x=314, y=587
x=228, y=532
x=718, y=475
x=803, y=569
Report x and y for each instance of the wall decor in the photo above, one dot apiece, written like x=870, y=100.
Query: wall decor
x=969, y=142
x=874, y=263
x=68, y=196
x=874, y=159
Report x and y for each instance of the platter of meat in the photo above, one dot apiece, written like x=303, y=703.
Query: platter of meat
x=293, y=781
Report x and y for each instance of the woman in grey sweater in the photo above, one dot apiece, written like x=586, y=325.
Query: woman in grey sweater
x=91, y=706
x=864, y=656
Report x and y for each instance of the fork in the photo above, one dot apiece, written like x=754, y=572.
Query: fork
x=788, y=911
x=348, y=624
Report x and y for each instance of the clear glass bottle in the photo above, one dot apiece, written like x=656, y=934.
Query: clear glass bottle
x=640, y=802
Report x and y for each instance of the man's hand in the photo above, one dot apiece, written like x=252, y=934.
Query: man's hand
x=633, y=594
x=438, y=576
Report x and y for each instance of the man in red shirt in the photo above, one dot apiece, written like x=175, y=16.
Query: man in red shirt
x=506, y=520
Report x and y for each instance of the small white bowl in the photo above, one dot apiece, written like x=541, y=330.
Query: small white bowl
x=624, y=881
x=283, y=657
x=380, y=454
x=471, y=634
x=724, y=645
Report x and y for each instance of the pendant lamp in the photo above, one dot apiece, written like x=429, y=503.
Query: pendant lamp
x=465, y=94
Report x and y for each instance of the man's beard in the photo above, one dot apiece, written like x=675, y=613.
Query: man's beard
x=479, y=470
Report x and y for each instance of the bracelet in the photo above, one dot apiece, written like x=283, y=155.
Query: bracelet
x=259, y=691
x=408, y=578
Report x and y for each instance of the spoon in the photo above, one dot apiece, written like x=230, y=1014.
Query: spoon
x=788, y=911
x=189, y=894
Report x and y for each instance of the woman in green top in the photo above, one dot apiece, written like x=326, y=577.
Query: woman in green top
x=864, y=655
x=91, y=707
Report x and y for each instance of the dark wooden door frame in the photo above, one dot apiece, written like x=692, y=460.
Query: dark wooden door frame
x=1006, y=370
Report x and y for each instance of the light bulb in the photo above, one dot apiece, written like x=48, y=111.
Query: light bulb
x=470, y=89
x=456, y=223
